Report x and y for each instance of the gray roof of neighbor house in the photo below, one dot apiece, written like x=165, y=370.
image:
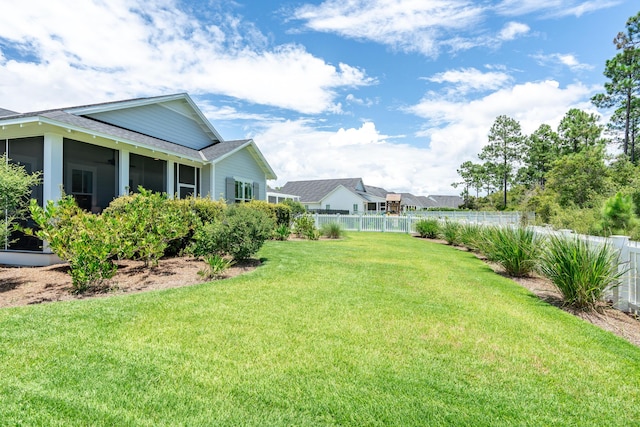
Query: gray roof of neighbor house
x=376, y=191
x=5, y=112
x=436, y=201
x=314, y=191
x=409, y=199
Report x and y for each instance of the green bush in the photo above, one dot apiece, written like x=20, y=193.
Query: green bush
x=331, y=230
x=216, y=266
x=240, y=234
x=296, y=208
x=146, y=224
x=281, y=214
x=206, y=210
x=282, y=232
x=618, y=216
x=86, y=241
x=471, y=236
x=450, y=232
x=428, y=228
x=517, y=250
x=15, y=188
x=305, y=226
x=580, y=271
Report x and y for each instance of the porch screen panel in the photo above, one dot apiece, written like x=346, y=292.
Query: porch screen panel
x=90, y=174
x=147, y=172
x=29, y=153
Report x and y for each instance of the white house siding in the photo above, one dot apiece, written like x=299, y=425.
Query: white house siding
x=342, y=199
x=159, y=122
x=239, y=165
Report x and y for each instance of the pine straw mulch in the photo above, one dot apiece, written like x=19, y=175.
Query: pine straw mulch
x=35, y=285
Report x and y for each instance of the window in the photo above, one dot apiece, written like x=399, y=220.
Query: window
x=90, y=174
x=29, y=153
x=147, y=172
x=327, y=207
x=244, y=191
x=355, y=208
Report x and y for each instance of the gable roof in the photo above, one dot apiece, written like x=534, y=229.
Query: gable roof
x=313, y=191
x=108, y=120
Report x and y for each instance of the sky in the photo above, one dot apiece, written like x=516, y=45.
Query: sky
x=396, y=92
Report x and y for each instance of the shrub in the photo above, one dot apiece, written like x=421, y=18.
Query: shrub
x=305, y=226
x=216, y=266
x=15, y=188
x=581, y=272
x=86, y=241
x=331, y=230
x=450, y=231
x=240, y=234
x=282, y=232
x=147, y=223
x=471, y=236
x=618, y=216
x=428, y=228
x=517, y=250
x=297, y=208
x=281, y=214
x=205, y=209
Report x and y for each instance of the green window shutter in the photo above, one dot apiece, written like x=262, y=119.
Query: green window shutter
x=256, y=190
x=230, y=185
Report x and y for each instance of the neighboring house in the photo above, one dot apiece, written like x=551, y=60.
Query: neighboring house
x=348, y=195
x=276, y=196
x=99, y=152
x=435, y=201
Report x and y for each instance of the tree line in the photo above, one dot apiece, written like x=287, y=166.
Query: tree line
x=566, y=173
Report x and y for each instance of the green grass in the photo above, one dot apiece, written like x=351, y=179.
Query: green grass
x=374, y=329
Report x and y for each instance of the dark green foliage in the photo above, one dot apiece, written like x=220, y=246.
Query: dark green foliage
x=305, y=226
x=86, y=241
x=450, y=232
x=280, y=213
x=297, y=208
x=146, y=224
x=331, y=230
x=15, y=188
x=428, y=228
x=618, y=215
x=240, y=234
x=517, y=250
x=580, y=271
x=282, y=232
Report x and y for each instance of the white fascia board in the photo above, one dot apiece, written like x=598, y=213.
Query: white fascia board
x=257, y=155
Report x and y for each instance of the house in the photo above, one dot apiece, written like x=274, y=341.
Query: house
x=276, y=196
x=435, y=201
x=99, y=152
x=346, y=195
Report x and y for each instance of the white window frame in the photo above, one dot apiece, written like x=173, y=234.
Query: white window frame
x=246, y=189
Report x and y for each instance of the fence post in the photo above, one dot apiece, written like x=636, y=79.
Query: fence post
x=621, y=292
x=384, y=223
x=360, y=223
x=317, y=220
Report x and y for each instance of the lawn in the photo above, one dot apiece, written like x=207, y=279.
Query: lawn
x=374, y=329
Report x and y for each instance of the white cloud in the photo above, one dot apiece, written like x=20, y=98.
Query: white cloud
x=66, y=53
x=471, y=79
x=405, y=25
x=553, y=8
x=512, y=30
x=566, y=59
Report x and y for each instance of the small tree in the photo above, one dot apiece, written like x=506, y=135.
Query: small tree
x=15, y=189
x=618, y=215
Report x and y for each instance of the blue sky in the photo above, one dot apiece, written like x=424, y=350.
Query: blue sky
x=398, y=92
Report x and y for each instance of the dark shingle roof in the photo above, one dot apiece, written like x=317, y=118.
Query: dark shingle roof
x=6, y=113
x=316, y=190
x=220, y=149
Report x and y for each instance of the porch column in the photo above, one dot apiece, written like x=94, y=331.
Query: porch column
x=52, y=179
x=123, y=173
x=212, y=182
x=171, y=190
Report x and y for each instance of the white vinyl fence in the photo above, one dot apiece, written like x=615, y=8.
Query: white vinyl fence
x=406, y=223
